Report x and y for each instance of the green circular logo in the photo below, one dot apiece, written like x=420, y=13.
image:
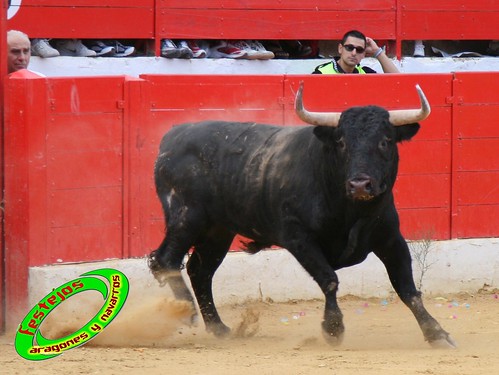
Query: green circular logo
x=32, y=345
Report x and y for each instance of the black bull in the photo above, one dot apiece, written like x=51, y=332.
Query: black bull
x=322, y=192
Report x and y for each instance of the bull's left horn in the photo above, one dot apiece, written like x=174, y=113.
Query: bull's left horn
x=410, y=116
x=315, y=118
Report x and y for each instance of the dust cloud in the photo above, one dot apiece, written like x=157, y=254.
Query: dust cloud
x=148, y=322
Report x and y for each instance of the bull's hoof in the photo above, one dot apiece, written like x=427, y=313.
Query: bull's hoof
x=444, y=343
x=219, y=330
x=333, y=337
x=194, y=320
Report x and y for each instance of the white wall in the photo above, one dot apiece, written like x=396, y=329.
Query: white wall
x=456, y=266
x=134, y=66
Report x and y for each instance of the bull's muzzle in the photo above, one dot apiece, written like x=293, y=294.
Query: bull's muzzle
x=361, y=188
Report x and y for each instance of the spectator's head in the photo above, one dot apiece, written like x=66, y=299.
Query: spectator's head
x=19, y=50
x=352, y=50
x=353, y=34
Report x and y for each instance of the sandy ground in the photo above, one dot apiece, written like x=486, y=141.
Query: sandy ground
x=382, y=337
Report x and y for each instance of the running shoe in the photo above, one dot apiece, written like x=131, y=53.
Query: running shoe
x=224, y=49
x=121, y=50
x=42, y=48
x=418, y=49
x=197, y=51
x=169, y=49
x=73, y=47
x=263, y=54
x=100, y=48
x=275, y=47
x=251, y=54
x=296, y=49
x=185, y=50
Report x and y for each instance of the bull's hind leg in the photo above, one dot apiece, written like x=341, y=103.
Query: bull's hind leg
x=203, y=263
x=165, y=264
x=182, y=230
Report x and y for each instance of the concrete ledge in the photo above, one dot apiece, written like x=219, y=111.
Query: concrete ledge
x=455, y=266
x=134, y=66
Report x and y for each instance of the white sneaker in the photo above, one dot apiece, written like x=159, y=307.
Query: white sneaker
x=418, y=49
x=197, y=51
x=121, y=50
x=42, y=48
x=251, y=54
x=100, y=48
x=185, y=50
x=226, y=50
x=74, y=47
x=263, y=54
x=169, y=49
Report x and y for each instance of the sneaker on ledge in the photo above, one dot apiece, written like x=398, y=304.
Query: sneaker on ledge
x=197, y=51
x=223, y=49
x=74, y=47
x=169, y=49
x=121, y=50
x=244, y=46
x=100, y=48
x=42, y=48
x=263, y=54
x=185, y=50
x=418, y=49
x=275, y=47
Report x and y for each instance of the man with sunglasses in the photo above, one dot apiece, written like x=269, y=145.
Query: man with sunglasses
x=352, y=49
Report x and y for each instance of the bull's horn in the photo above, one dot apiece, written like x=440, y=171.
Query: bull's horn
x=315, y=118
x=410, y=116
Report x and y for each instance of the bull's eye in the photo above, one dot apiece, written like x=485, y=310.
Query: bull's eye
x=341, y=144
x=384, y=143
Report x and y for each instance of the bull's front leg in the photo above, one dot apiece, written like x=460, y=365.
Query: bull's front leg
x=398, y=263
x=313, y=261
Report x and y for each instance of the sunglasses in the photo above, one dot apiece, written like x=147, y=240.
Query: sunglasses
x=351, y=47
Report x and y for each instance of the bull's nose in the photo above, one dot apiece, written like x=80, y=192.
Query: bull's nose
x=360, y=187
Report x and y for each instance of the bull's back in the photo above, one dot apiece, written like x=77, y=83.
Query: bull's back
x=229, y=168
x=212, y=149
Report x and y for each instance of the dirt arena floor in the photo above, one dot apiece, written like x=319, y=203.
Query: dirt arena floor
x=382, y=337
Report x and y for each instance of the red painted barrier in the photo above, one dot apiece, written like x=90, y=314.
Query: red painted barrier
x=475, y=155
x=446, y=20
x=86, y=19
x=274, y=19
x=79, y=155
x=393, y=21
x=3, y=73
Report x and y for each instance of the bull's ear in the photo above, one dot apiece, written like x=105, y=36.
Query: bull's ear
x=406, y=132
x=325, y=134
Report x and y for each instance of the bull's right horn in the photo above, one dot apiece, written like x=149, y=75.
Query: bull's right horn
x=315, y=118
x=410, y=116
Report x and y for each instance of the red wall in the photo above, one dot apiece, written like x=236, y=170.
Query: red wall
x=79, y=154
x=390, y=20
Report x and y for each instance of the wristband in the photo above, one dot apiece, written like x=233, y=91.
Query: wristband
x=379, y=52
